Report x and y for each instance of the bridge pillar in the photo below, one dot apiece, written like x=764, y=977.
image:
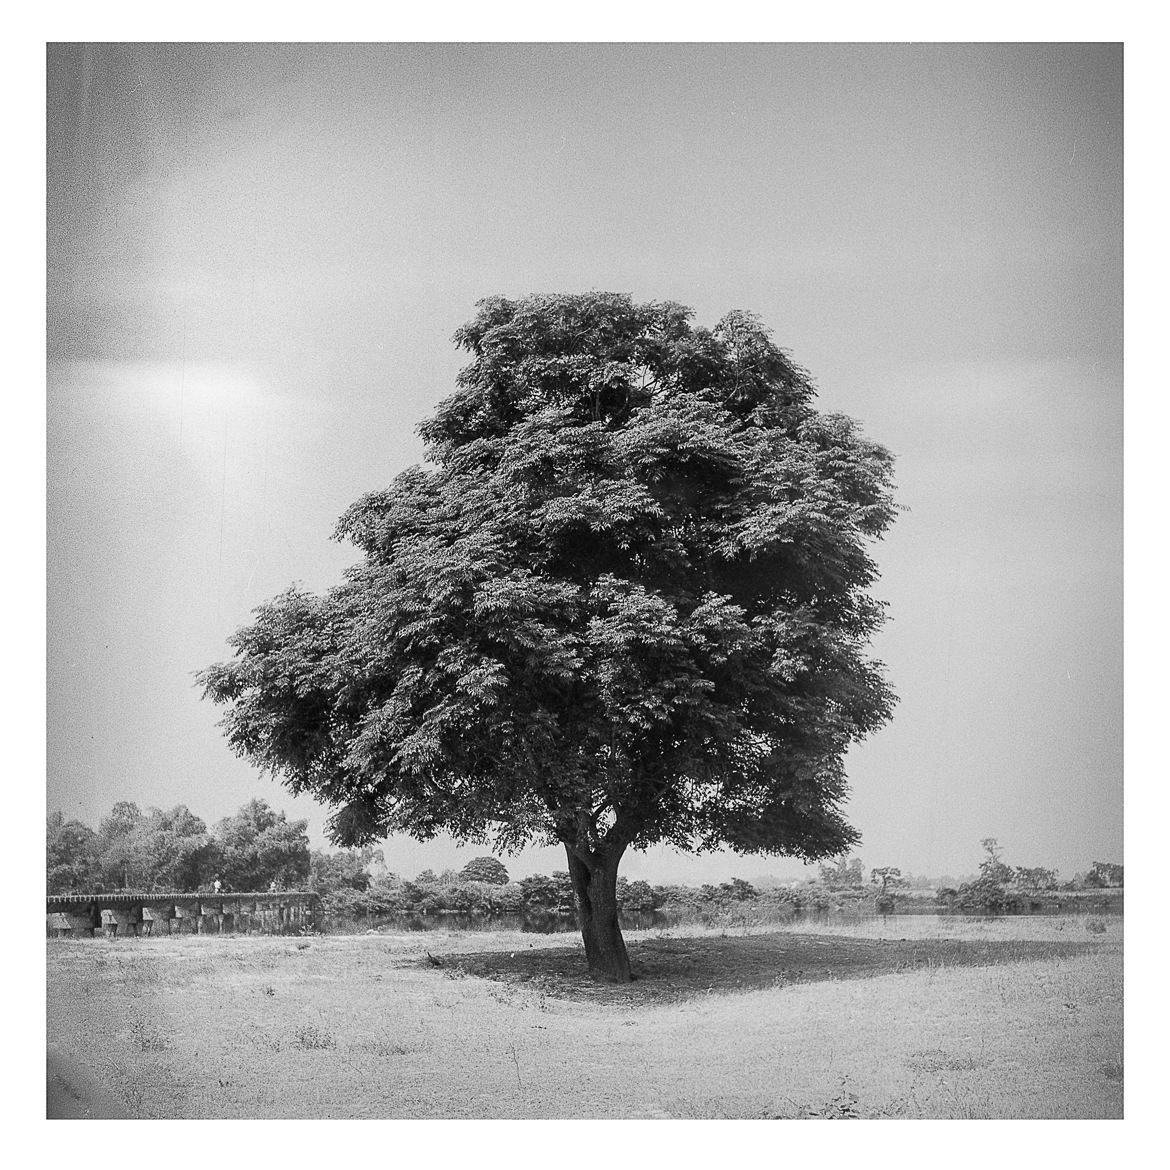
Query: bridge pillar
x=159, y=916
x=186, y=919
x=58, y=925
x=232, y=908
x=123, y=918
x=210, y=916
x=83, y=923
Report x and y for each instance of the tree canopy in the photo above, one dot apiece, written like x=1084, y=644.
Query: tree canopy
x=172, y=851
x=258, y=846
x=347, y=869
x=624, y=603
x=71, y=855
x=485, y=869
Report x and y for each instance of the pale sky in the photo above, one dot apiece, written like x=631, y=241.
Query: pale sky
x=258, y=255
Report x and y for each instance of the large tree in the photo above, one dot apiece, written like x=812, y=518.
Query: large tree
x=117, y=840
x=624, y=603
x=176, y=850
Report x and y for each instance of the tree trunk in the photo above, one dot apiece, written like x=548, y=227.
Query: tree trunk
x=595, y=885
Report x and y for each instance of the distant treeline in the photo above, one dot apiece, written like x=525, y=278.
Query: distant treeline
x=1002, y=888
x=155, y=851
x=259, y=848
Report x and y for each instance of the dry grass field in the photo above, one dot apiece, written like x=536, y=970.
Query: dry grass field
x=912, y=1019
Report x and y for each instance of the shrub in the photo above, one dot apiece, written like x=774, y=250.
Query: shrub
x=379, y=898
x=540, y=892
x=469, y=898
x=638, y=897
x=506, y=899
x=677, y=898
x=986, y=894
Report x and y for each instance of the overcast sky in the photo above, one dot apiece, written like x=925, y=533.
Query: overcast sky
x=258, y=255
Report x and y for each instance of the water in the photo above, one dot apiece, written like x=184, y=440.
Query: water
x=744, y=914
x=548, y=922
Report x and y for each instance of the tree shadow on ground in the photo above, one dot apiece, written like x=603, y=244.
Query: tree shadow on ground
x=673, y=969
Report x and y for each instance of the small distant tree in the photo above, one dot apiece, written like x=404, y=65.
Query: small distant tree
x=1035, y=878
x=486, y=869
x=736, y=890
x=1105, y=875
x=842, y=873
x=989, y=891
x=888, y=879
x=992, y=867
x=739, y=891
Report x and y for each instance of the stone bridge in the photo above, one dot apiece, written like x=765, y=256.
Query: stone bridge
x=119, y=915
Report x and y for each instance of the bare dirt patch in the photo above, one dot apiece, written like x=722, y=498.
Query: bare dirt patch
x=671, y=970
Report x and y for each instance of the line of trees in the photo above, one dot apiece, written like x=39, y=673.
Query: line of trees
x=1001, y=887
x=160, y=850
x=351, y=885
x=156, y=850
x=549, y=897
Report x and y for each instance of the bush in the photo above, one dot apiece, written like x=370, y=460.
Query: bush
x=637, y=897
x=506, y=899
x=379, y=898
x=540, y=892
x=677, y=899
x=469, y=898
x=985, y=894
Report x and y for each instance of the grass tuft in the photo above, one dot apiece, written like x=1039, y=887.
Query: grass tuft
x=147, y=1038
x=312, y=1038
